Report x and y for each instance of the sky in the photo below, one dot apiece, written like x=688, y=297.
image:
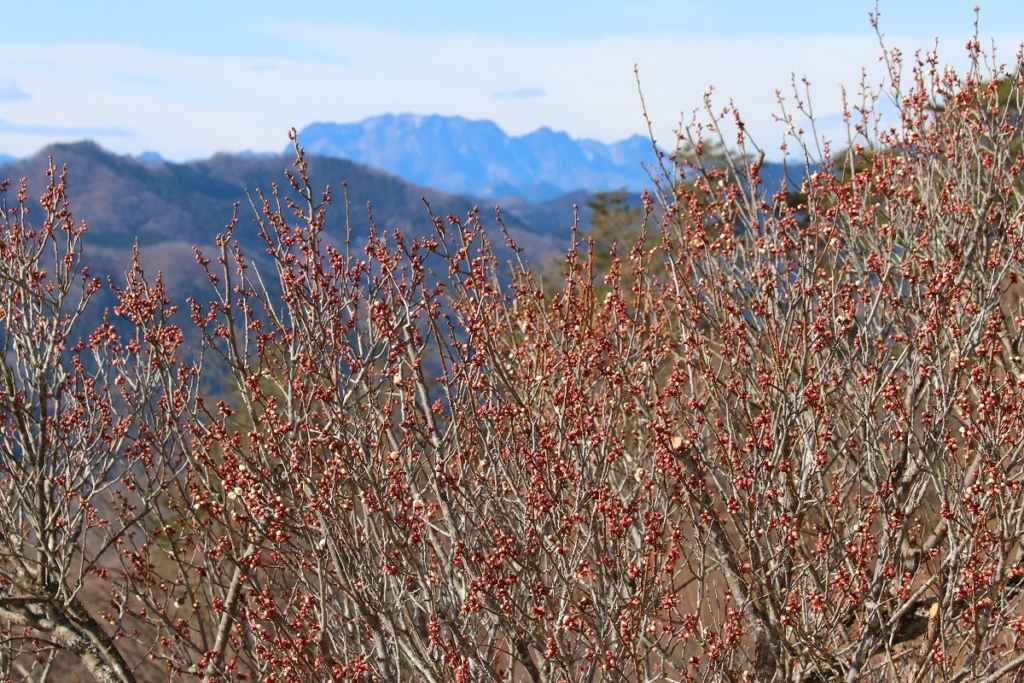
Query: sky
x=188, y=79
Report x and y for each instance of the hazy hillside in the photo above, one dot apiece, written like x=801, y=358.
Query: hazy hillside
x=168, y=208
x=478, y=158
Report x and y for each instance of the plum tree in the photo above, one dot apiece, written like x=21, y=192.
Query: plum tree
x=778, y=440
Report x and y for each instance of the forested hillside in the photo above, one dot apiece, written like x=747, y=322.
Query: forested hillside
x=168, y=208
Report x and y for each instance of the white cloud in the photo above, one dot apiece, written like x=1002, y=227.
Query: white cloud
x=189, y=106
x=10, y=92
x=50, y=131
x=519, y=94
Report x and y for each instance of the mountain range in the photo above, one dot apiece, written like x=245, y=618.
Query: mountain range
x=459, y=156
x=167, y=208
x=393, y=163
x=478, y=158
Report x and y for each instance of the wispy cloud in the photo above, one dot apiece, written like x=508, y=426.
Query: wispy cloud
x=42, y=129
x=10, y=92
x=188, y=106
x=520, y=94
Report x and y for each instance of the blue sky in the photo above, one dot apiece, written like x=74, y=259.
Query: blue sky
x=187, y=79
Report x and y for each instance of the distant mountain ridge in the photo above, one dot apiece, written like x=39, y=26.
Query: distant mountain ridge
x=167, y=208
x=460, y=156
